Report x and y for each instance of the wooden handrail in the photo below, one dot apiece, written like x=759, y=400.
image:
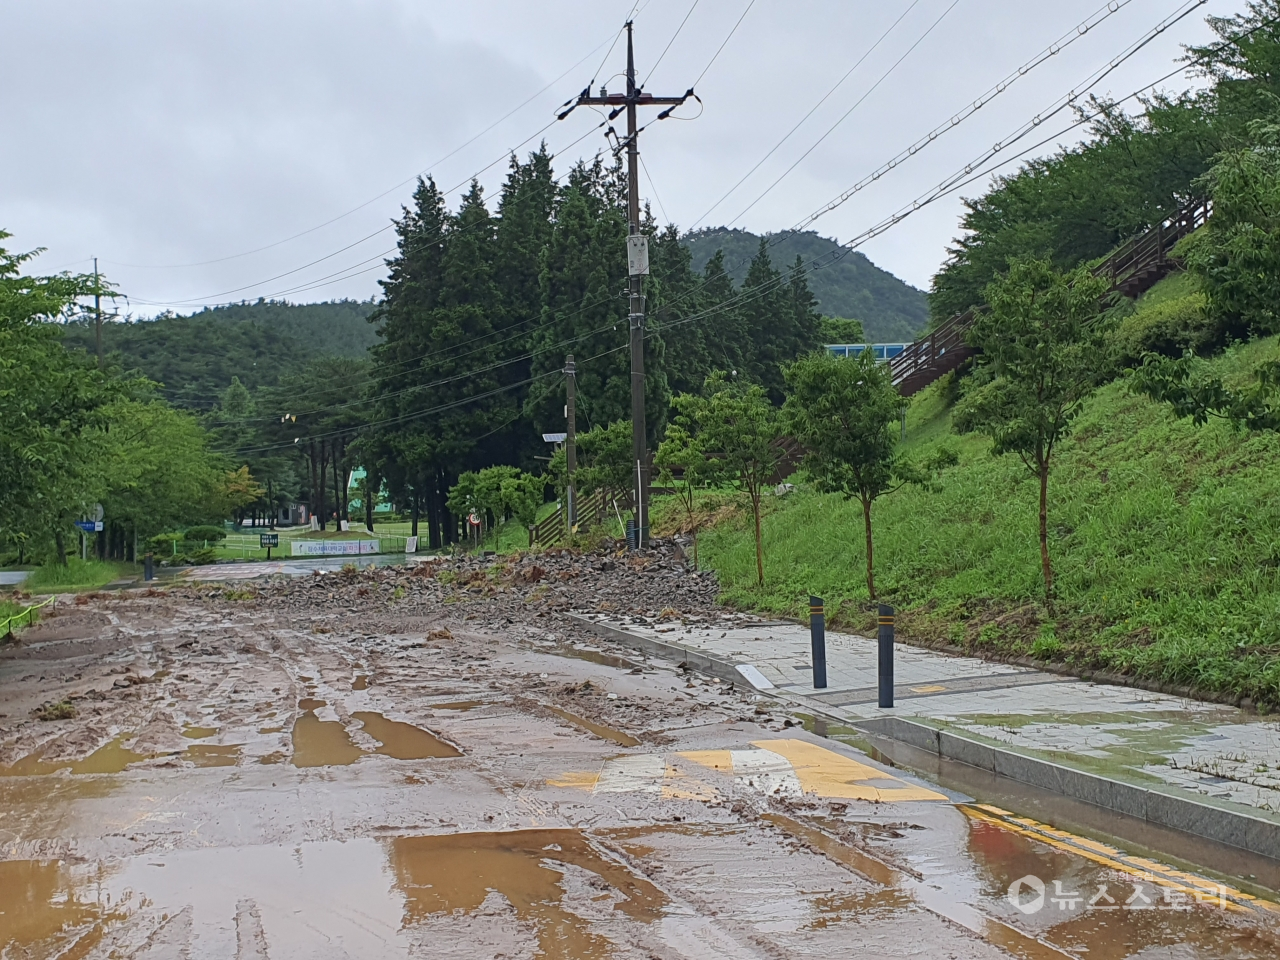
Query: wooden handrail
x=1129, y=268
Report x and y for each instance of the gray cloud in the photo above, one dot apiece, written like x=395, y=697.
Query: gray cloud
x=156, y=133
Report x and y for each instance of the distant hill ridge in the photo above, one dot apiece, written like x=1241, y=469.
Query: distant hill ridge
x=891, y=311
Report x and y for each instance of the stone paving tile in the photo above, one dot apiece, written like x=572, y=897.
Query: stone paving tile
x=1206, y=749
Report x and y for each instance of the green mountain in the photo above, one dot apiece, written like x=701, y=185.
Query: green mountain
x=891, y=311
x=194, y=357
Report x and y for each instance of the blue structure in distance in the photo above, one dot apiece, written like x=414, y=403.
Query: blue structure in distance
x=883, y=351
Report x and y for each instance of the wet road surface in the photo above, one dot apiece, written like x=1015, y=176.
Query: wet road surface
x=258, y=775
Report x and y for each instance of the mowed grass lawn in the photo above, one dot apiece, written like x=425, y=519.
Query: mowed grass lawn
x=1165, y=539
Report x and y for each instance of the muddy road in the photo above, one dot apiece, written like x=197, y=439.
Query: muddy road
x=435, y=763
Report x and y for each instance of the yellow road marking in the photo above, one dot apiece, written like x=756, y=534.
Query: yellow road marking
x=930, y=688
x=579, y=780
x=1139, y=867
x=820, y=772
x=834, y=776
x=715, y=759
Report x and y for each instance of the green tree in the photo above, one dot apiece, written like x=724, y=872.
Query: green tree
x=49, y=400
x=738, y=428
x=844, y=413
x=156, y=471
x=1236, y=257
x=1043, y=343
x=841, y=330
x=604, y=459
x=680, y=452
x=583, y=268
x=781, y=320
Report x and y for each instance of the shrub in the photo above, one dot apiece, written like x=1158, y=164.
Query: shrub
x=1170, y=327
x=205, y=533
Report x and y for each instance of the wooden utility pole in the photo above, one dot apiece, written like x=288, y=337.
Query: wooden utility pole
x=570, y=443
x=97, y=311
x=637, y=267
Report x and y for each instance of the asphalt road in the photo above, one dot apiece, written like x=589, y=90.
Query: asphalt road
x=368, y=765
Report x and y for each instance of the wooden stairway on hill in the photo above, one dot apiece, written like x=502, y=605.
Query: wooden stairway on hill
x=1133, y=268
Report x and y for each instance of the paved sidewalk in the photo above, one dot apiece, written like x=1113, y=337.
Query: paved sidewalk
x=1220, y=755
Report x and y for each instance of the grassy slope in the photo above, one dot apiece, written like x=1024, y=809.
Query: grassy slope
x=1165, y=538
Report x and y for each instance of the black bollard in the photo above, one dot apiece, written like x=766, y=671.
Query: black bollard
x=818, y=640
x=148, y=570
x=886, y=655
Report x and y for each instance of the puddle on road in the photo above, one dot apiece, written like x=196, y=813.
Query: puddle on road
x=310, y=703
x=213, y=755
x=388, y=899
x=42, y=900
x=586, y=653
x=404, y=741
x=599, y=729
x=460, y=705
x=1107, y=906
x=112, y=757
x=442, y=874
x=199, y=733
x=360, y=683
x=322, y=743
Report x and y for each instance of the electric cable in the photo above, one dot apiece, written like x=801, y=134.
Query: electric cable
x=857, y=103
x=398, y=186
x=825, y=97
x=1063, y=103
x=723, y=43
x=649, y=75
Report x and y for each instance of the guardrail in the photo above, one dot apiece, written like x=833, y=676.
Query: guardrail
x=8, y=624
x=1133, y=268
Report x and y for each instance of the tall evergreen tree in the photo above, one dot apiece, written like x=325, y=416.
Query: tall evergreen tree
x=438, y=376
x=584, y=307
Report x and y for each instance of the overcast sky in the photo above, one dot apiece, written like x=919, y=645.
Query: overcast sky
x=174, y=140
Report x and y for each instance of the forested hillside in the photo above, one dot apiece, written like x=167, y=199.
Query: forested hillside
x=194, y=357
x=891, y=311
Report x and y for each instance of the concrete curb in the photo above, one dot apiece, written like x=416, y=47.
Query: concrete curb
x=1233, y=828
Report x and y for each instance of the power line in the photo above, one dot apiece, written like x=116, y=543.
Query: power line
x=846, y=114
x=825, y=97
x=649, y=75
x=402, y=183
x=1057, y=107
x=723, y=43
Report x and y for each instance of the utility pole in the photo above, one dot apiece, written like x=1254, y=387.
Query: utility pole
x=570, y=443
x=637, y=267
x=97, y=311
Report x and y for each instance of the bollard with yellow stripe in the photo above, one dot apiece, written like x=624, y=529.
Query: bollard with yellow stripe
x=818, y=641
x=886, y=655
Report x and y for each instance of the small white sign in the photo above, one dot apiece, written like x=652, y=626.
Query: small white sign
x=410, y=544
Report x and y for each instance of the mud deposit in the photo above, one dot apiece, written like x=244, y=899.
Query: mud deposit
x=388, y=764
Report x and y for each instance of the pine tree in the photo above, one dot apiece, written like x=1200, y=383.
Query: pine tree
x=584, y=307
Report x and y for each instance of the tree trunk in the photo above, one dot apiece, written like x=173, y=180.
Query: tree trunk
x=337, y=492
x=448, y=523
x=371, y=483
x=323, y=513
x=414, y=532
x=61, y=543
x=315, y=484
x=755, y=508
x=871, y=575
x=1044, y=531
